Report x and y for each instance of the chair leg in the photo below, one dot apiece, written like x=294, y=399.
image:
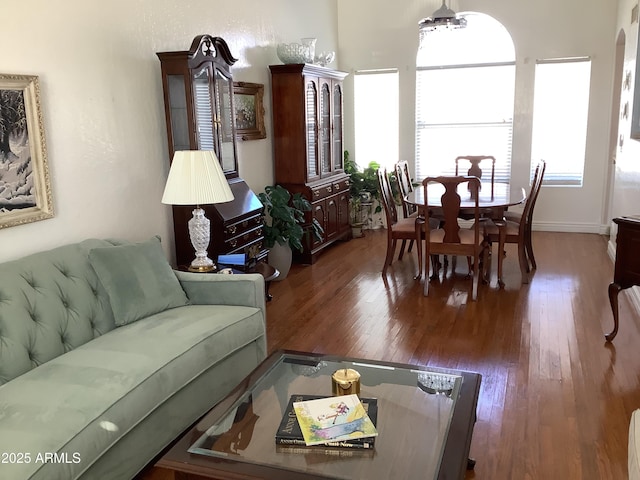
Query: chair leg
x=524, y=265
x=502, y=234
x=427, y=278
x=486, y=250
x=402, y=246
x=391, y=247
x=476, y=267
x=529, y=245
x=419, y=225
x=410, y=246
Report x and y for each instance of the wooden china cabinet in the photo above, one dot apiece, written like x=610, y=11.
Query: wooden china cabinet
x=308, y=147
x=198, y=99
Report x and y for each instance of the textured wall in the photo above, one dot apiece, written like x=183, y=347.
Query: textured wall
x=625, y=198
x=378, y=34
x=101, y=96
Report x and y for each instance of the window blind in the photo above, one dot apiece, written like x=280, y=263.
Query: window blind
x=560, y=113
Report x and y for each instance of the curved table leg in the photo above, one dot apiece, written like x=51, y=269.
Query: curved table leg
x=614, y=290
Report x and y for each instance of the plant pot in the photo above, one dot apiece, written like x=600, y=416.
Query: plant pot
x=356, y=230
x=280, y=257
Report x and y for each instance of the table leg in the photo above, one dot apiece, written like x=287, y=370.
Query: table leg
x=614, y=290
x=502, y=237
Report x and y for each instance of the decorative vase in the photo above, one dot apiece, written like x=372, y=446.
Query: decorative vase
x=280, y=257
x=310, y=43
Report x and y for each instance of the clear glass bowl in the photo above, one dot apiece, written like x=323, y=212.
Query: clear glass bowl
x=325, y=58
x=293, y=53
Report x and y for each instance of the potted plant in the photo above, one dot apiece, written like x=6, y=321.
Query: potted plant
x=283, y=230
x=363, y=190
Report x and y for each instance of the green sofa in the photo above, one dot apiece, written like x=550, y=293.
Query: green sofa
x=107, y=355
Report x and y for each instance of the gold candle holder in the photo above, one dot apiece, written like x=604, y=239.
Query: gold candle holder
x=345, y=381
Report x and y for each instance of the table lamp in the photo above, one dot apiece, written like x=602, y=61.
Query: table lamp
x=196, y=178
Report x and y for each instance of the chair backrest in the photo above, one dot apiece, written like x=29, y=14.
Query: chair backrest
x=474, y=169
x=538, y=177
x=404, y=177
x=404, y=183
x=386, y=197
x=450, y=202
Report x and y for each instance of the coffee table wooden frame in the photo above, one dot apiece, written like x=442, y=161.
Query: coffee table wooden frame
x=179, y=464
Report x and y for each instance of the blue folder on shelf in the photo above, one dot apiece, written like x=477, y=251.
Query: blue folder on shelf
x=233, y=259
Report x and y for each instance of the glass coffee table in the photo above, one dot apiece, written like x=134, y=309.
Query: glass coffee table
x=425, y=423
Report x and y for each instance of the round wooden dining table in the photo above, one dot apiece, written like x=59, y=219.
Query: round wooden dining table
x=496, y=198
x=493, y=201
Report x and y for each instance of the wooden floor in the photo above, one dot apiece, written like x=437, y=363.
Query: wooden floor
x=555, y=400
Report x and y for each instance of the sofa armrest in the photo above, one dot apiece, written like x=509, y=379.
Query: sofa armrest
x=245, y=289
x=633, y=459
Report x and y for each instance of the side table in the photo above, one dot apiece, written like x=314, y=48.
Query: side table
x=267, y=271
x=627, y=266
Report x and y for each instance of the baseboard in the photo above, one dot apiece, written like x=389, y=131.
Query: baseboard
x=571, y=227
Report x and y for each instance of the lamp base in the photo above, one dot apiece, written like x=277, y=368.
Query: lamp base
x=199, y=233
x=202, y=269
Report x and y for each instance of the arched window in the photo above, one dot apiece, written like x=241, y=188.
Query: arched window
x=464, y=96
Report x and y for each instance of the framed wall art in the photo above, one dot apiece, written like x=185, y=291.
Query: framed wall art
x=249, y=110
x=25, y=189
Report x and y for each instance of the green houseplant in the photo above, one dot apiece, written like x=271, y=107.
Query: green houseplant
x=283, y=228
x=363, y=190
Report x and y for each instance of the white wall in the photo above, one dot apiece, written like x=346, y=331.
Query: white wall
x=101, y=96
x=626, y=188
x=382, y=34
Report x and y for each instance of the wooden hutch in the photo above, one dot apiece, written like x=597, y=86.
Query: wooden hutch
x=308, y=147
x=198, y=99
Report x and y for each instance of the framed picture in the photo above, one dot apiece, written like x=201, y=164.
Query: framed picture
x=249, y=111
x=25, y=189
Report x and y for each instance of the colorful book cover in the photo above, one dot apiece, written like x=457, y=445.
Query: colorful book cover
x=289, y=432
x=333, y=419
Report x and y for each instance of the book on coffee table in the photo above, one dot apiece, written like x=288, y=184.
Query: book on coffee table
x=290, y=433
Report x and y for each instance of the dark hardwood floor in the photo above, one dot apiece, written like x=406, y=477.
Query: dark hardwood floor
x=555, y=400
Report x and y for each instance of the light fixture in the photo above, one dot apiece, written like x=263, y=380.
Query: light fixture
x=196, y=178
x=442, y=19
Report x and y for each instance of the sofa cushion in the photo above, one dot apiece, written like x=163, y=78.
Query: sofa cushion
x=97, y=393
x=50, y=302
x=138, y=279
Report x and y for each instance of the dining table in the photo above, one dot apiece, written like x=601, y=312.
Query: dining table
x=493, y=200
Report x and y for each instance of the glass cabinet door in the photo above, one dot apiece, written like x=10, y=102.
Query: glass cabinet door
x=325, y=129
x=178, y=112
x=203, y=109
x=311, y=110
x=225, y=122
x=337, y=128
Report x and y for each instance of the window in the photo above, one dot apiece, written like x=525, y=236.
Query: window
x=376, y=117
x=560, y=111
x=464, y=96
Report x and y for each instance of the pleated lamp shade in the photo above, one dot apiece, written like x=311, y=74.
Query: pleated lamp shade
x=196, y=178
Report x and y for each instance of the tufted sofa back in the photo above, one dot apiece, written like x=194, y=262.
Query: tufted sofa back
x=50, y=302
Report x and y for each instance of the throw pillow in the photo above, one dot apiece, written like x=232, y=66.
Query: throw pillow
x=138, y=280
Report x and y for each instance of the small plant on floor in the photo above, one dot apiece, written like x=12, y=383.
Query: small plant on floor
x=363, y=188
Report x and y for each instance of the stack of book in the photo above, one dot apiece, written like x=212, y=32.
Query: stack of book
x=344, y=421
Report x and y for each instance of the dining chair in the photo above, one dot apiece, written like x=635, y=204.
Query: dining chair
x=516, y=217
x=398, y=228
x=516, y=228
x=450, y=238
x=403, y=178
x=406, y=187
x=474, y=169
